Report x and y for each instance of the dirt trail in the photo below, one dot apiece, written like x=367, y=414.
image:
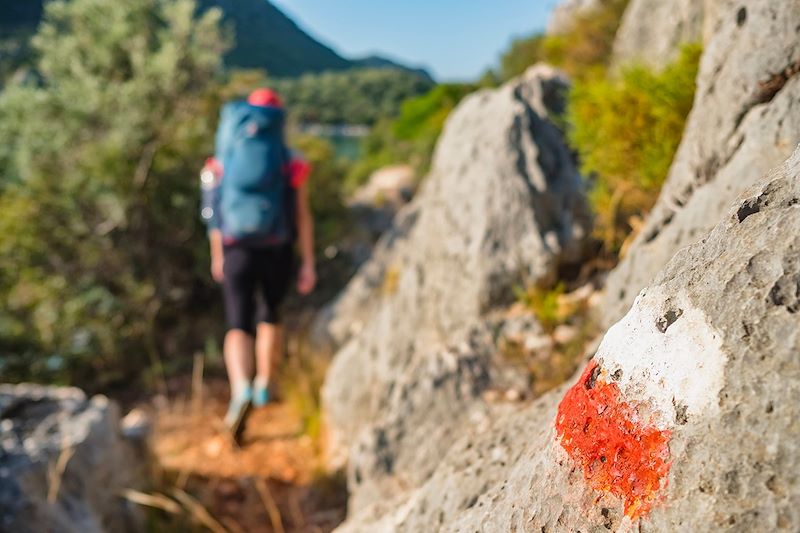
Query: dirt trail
x=273, y=480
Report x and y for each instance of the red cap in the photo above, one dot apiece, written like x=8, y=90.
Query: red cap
x=265, y=98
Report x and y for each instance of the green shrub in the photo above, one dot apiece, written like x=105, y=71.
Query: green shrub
x=411, y=137
x=585, y=48
x=582, y=50
x=626, y=131
x=521, y=54
x=99, y=233
x=331, y=217
x=356, y=96
x=545, y=304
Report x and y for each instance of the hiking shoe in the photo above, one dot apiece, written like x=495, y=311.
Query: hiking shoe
x=260, y=395
x=237, y=413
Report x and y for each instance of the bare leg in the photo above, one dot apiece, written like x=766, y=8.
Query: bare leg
x=238, y=351
x=269, y=350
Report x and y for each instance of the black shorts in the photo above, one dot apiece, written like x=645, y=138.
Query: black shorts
x=256, y=283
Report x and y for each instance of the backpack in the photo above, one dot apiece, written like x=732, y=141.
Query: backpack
x=254, y=191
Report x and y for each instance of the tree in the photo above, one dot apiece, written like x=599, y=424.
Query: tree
x=98, y=225
x=582, y=49
x=356, y=96
x=523, y=52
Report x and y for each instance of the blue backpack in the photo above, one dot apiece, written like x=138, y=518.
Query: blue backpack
x=251, y=202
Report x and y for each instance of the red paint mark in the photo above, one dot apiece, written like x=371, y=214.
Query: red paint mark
x=617, y=453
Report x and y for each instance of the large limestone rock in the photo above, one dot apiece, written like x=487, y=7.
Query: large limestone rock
x=686, y=419
x=652, y=31
x=503, y=206
x=63, y=463
x=743, y=123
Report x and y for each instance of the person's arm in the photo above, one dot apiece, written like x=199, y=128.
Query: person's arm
x=307, y=277
x=210, y=178
x=217, y=257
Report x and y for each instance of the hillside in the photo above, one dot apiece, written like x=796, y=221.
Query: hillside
x=14, y=13
x=265, y=38
x=268, y=39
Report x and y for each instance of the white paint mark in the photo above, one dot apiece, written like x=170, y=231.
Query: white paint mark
x=680, y=368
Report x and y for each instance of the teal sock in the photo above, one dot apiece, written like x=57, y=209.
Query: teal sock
x=241, y=390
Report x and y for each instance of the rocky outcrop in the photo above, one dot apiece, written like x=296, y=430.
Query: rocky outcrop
x=652, y=31
x=63, y=463
x=503, y=206
x=685, y=420
x=742, y=123
x=375, y=204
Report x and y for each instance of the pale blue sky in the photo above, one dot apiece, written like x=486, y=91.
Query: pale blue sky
x=454, y=39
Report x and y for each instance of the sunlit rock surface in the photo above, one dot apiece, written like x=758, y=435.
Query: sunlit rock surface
x=64, y=463
x=685, y=420
x=503, y=207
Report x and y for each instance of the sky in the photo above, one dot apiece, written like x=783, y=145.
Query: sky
x=456, y=40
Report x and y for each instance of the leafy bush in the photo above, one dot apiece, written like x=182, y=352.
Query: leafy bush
x=626, y=131
x=99, y=234
x=521, y=54
x=357, y=96
x=331, y=217
x=545, y=304
x=584, y=49
x=411, y=137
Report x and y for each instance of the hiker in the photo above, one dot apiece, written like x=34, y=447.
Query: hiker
x=255, y=204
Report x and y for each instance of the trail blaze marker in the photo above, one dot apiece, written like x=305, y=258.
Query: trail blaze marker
x=617, y=452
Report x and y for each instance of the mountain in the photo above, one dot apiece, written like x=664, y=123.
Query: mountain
x=16, y=15
x=268, y=39
x=377, y=62
x=18, y=21
x=265, y=38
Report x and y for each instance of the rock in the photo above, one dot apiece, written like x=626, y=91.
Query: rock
x=440, y=391
x=392, y=185
x=652, y=31
x=741, y=125
x=344, y=318
x=685, y=420
x=376, y=203
x=563, y=15
x=63, y=463
x=503, y=206
x=564, y=334
x=136, y=425
x=521, y=330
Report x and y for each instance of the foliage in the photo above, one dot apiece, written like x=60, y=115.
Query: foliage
x=331, y=218
x=626, y=132
x=412, y=136
x=550, y=367
x=98, y=227
x=545, y=304
x=265, y=38
x=358, y=96
x=523, y=52
x=583, y=49
x=303, y=377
